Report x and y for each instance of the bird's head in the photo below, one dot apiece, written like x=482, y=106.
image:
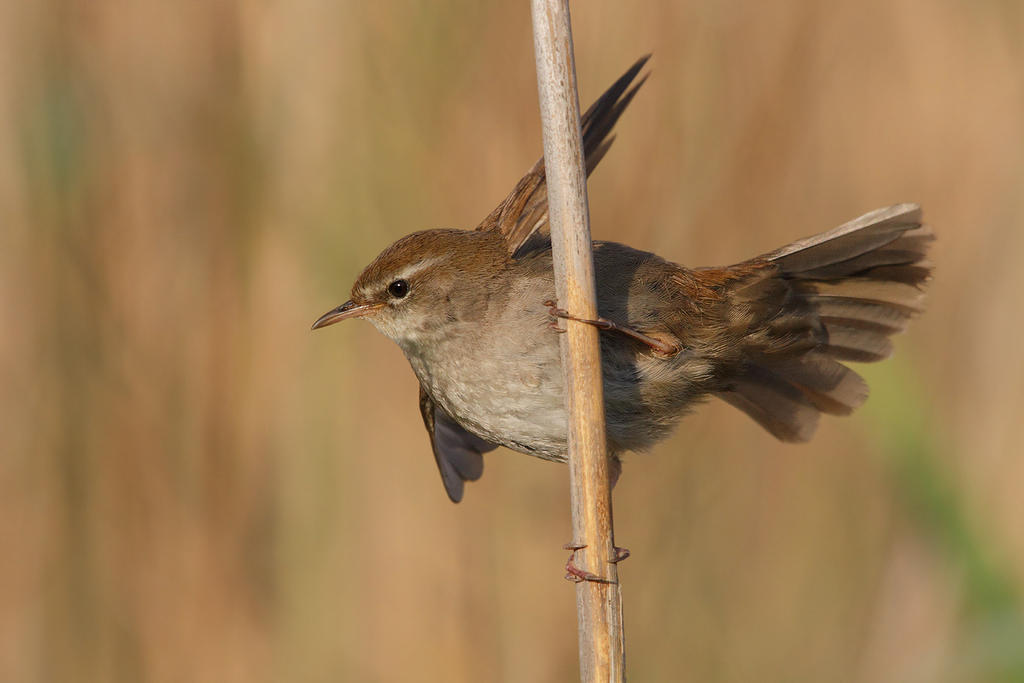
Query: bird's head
x=423, y=282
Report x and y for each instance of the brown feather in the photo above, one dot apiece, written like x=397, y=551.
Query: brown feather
x=833, y=297
x=831, y=386
x=524, y=213
x=775, y=404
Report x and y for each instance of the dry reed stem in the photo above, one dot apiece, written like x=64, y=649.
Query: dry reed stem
x=598, y=604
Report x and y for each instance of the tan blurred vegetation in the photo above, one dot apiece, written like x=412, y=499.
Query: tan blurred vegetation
x=193, y=487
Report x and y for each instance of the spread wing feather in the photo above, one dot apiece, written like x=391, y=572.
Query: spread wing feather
x=524, y=213
x=458, y=453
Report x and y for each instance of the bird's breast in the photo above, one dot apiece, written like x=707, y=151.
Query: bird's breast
x=502, y=382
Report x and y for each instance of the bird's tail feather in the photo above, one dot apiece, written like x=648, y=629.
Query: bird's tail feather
x=847, y=291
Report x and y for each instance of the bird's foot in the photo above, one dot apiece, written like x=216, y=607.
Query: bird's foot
x=662, y=347
x=556, y=314
x=577, y=575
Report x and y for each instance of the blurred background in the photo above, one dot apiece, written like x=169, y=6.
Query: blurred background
x=195, y=487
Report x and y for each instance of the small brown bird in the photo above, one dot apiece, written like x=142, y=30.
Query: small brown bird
x=472, y=311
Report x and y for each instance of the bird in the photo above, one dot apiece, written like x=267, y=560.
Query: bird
x=473, y=312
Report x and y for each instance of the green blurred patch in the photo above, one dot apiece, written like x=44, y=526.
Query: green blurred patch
x=918, y=460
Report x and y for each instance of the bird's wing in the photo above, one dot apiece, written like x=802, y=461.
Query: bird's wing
x=524, y=213
x=458, y=453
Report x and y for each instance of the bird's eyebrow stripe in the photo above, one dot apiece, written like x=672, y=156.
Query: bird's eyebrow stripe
x=418, y=267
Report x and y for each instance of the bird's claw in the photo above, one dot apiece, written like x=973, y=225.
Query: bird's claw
x=555, y=312
x=577, y=575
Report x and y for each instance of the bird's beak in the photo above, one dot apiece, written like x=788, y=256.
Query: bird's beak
x=349, y=309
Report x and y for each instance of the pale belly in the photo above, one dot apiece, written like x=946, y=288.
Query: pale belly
x=514, y=397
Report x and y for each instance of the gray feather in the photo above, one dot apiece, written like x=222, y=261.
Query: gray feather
x=774, y=404
x=459, y=454
x=848, y=241
x=842, y=293
x=831, y=386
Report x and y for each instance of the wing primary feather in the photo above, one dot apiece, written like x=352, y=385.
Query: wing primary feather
x=459, y=454
x=524, y=212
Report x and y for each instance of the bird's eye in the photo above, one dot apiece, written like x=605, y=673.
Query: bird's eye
x=398, y=288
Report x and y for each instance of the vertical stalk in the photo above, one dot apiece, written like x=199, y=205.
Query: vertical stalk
x=598, y=604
